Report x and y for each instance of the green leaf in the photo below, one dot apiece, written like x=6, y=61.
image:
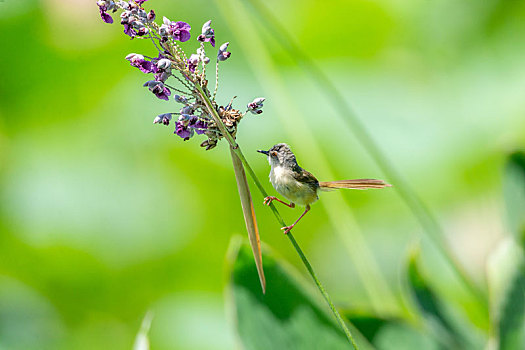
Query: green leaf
x=509, y=292
x=512, y=321
x=286, y=317
x=142, y=340
x=399, y=336
x=514, y=194
x=432, y=309
x=506, y=279
x=391, y=334
x=368, y=326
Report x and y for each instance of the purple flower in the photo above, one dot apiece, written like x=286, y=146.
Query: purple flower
x=162, y=68
x=198, y=125
x=140, y=2
x=178, y=30
x=158, y=89
x=129, y=31
x=132, y=26
x=223, y=55
x=193, y=62
x=163, y=119
x=183, y=130
x=208, y=34
x=138, y=61
x=140, y=28
x=161, y=76
x=104, y=6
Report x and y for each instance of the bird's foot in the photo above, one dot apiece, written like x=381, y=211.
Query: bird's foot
x=268, y=200
x=287, y=229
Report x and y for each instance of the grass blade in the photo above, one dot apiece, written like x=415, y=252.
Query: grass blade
x=249, y=215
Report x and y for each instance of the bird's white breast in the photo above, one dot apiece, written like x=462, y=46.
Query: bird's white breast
x=284, y=182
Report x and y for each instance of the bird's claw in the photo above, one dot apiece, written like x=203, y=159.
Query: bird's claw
x=287, y=229
x=268, y=200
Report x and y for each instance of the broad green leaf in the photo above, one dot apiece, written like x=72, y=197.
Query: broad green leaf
x=512, y=321
x=392, y=334
x=514, y=193
x=368, y=326
x=399, y=336
x=432, y=309
x=508, y=295
x=286, y=317
x=506, y=280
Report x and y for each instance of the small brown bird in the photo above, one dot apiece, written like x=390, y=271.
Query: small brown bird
x=300, y=186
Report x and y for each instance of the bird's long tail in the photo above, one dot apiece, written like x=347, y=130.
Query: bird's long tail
x=357, y=184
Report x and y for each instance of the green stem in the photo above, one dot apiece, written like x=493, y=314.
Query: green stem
x=412, y=200
x=237, y=150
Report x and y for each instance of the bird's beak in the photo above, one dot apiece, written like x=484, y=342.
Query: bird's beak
x=263, y=152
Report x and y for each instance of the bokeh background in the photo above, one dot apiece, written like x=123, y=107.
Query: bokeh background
x=104, y=216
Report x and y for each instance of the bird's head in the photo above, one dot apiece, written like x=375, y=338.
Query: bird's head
x=280, y=155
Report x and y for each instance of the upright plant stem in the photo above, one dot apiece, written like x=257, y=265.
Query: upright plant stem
x=412, y=200
x=237, y=151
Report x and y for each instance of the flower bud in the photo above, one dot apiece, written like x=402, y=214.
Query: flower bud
x=123, y=5
x=151, y=84
x=164, y=30
x=207, y=32
x=162, y=119
x=255, y=106
x=163, y=63
x=223, y=55
x=259, y=101
x=138, y=25
x=151, y=16
x=224, y=47
x=187, y=110
x=142, y=14
x=124, y=17
x=135, y=58
x=142, y=31
x=161, y=76
x=181, y=99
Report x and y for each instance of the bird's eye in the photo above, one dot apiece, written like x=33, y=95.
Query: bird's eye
x=273, y=154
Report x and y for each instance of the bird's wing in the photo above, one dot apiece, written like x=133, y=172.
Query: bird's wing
x=304, y=176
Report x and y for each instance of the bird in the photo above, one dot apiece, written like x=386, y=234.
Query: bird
x=299, y=186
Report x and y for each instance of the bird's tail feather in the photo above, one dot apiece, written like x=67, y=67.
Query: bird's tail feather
x=357, y=184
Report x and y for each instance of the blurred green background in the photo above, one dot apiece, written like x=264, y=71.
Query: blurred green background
x=104, y=216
